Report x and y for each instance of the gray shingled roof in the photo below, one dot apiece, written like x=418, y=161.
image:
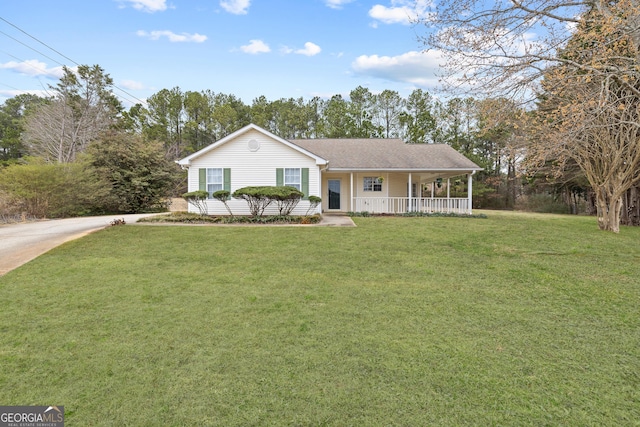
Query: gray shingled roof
x=385, y=154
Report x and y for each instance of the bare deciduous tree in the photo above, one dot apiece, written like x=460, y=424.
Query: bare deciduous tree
x=601, y=135
x=82, y=106
x=593, y=119
x=503, y=48
x=588, y=54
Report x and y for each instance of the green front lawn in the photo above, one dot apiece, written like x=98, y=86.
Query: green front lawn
x=507, y=321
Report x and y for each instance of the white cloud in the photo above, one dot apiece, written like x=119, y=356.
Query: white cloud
x=337, y=4
x=256, y=46
x=403, y=12
x=173, y=37
x=132, y=85
x=310, y=49
x=33, y=67
x=417, y=68
x=237, y=7
x=148, y=5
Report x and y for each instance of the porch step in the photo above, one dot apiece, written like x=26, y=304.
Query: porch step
x=336, y=220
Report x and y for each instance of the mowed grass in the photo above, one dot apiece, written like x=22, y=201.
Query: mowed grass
x=513, y=320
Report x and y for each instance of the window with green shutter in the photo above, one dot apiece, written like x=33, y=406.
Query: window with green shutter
x=305, y=182
x=227, y=179
x=297, y=178
x=202, y=179
x=214, y=179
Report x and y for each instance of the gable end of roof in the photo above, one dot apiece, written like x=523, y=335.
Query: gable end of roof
x=187, y=160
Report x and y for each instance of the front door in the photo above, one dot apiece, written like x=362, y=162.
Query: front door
x=334, y=194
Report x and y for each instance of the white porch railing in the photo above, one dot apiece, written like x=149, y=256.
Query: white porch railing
x=399, y=205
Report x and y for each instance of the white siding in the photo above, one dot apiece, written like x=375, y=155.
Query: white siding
x=398, y=184
x=253, y=168
x=359, y=184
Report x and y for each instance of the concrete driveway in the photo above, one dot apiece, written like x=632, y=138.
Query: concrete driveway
x=20, y=243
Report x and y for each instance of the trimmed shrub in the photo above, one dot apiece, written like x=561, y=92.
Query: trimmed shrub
x=256, y=197
x=314, y=201
x=286, y=198
x=223, y=196
x=197, y=199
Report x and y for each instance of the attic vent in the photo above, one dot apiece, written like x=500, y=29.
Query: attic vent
x=254, y=145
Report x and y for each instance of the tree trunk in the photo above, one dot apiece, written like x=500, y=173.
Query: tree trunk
x=631, y=207
x=608, y=209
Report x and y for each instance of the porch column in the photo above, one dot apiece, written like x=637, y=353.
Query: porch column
x=319, y=208
x=449, y=207
x=410, y=207
x=420, y=205
x=470, y=191
x=351, y=195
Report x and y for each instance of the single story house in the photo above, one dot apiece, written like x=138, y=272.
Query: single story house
x=357, y=175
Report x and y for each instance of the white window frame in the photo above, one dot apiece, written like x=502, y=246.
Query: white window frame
x=371, y=183
x=213, y=183
x=293, y=181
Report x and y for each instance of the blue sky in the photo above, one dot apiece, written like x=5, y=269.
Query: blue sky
x=248, y=48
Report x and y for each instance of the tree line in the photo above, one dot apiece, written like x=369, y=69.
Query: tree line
x=188, y=121
x=575, y=148
x=83, y=119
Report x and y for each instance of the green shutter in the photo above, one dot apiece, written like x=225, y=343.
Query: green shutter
x=202, y=181
x=226, y=179
x=279, y=177
x=305, y=182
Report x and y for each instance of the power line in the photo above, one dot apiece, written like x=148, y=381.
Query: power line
x=61, y=54
x=41, y=42
x=10, y=87
x=26, y=45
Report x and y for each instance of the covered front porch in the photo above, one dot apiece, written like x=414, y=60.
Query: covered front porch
x=397, y=192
